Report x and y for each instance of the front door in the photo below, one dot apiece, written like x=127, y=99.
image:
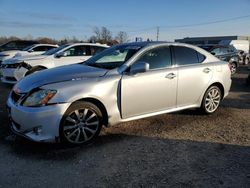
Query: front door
x=73, y=55
x=151, y=91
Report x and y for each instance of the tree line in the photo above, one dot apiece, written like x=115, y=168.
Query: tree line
x=100, y=35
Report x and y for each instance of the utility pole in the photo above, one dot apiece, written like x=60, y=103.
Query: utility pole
x=157, y=33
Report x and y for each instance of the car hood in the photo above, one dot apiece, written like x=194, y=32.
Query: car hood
x=59, y=74
x=9, y=52
x=35, y=57
x=20, y=59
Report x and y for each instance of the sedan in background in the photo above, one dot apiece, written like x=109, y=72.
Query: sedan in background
x=15, y=69
x=14, y=46
x=225, y=53
x=35, y=49
x=123, y=83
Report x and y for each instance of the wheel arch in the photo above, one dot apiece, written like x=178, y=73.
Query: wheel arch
x=32, y=68
x=40, y=66
x=235, y=62
x=220, y=86
x=100, y=105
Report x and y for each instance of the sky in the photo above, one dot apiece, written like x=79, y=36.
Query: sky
x=139, y=18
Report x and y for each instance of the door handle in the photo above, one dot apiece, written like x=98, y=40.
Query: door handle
x=170, y=76
x=206, y=70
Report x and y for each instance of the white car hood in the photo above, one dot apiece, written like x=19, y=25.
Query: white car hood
x=23, y=59
x=9, y=52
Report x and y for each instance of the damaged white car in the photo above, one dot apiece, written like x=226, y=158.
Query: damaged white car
x=35, y=49
x=15, y=69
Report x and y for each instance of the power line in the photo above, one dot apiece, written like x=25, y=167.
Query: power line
x=208, y=23
x=191, y=25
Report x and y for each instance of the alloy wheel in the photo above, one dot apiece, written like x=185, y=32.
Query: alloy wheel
x=80, y=125
x=212, y=100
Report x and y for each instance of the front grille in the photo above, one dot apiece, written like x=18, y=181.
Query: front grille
x=15, y=96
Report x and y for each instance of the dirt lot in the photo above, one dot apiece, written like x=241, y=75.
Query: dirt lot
x=183, y=149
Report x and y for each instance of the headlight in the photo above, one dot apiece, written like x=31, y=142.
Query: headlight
x=39, y=98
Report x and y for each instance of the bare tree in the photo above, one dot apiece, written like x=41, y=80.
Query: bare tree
x=106, y=34
x=122, y=37
x=47, y=40
x=102, y=35
x=7, y=39
x=97, y=33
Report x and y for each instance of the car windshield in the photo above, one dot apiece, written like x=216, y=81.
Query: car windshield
x=55, y=50
x=28, y=47
x=113, y=57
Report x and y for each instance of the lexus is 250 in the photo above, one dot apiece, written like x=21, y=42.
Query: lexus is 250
x=125, y=82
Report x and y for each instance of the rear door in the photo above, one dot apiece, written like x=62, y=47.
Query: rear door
x=193, y=75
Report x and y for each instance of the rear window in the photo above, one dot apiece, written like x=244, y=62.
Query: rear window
x=187, y=56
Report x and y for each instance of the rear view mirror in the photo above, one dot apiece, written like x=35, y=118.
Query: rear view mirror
x=139, y=67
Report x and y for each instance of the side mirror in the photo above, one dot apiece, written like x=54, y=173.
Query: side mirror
x=213, y=53
x=60, y=54
x=139, y=67
x=30, y=51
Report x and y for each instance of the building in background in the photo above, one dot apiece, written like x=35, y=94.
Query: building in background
x=211, y=40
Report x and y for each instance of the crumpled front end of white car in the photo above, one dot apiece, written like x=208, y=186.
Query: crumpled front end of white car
x=13, y=72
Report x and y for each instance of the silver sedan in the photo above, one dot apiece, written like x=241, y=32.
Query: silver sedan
x=123, y=83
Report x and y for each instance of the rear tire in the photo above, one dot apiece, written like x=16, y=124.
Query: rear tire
x=81, y=123
x=211, y=100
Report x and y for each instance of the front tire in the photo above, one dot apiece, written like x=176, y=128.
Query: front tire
x=81, y=123
x=211, y=100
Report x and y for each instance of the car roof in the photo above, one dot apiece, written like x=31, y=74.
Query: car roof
x=87, y=43
x=146, y=43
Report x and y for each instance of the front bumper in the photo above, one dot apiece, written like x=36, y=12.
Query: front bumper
x=39, y=124
x=12, y=75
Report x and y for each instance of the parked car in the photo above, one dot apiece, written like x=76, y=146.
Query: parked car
x=244, y=57
x=240, y=45
x=14, y=46
x=125, y=82
x=16, y=68
x=35, y=49
x=17, y=45
x=224, y=53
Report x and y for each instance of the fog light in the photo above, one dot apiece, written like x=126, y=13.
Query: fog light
x=37, y=130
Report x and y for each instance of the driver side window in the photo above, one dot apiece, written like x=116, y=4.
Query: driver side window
x=157, y=58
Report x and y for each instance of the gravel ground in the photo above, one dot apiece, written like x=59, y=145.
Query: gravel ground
x=183, y=149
